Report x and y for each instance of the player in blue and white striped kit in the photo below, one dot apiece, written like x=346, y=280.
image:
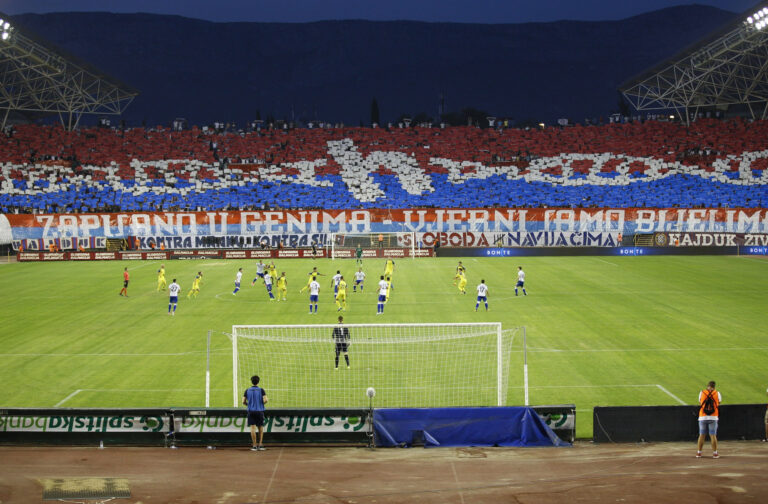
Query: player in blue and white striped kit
x=259, y=272
x=268, y=284
x=238, y=278
x=383, y=290
x=482, y=295
x=520, y=280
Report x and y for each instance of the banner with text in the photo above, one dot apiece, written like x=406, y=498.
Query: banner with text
x=299, y=228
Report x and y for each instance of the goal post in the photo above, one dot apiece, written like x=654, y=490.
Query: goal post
x=343, y=245
x=409, y=365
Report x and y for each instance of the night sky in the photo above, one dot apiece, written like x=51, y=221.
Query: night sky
x=467, y=11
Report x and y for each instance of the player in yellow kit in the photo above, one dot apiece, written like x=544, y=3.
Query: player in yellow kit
x=282, y=287
x=161, y=283
x=462, y=283
x=272, y=269
x=312, y=277
x=460, y=270
x=195, y=290
x=389, y=268
x=341, y=295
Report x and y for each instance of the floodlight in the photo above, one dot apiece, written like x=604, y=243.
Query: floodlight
x=750, y=20
x=6, y=25
x=765, y=10
x=5, y=35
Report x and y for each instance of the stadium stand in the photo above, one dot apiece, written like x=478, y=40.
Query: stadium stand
x=710, y=163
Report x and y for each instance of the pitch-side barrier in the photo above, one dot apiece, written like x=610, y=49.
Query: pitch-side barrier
x=222, y=426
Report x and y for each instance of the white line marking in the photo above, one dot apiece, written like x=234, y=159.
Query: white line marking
x=762, y=260
x=670, y=394
x=456, y=479
x=589, y=386
x=606, y=262
x=590, y=350
x=272, y=478
x=196, y=352
x=142, y=265
x=70, y=396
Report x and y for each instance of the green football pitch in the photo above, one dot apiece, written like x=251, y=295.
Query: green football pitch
x=605, y=331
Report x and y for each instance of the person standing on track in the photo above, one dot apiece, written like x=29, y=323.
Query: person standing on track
x=254, y=399
x=709, y=415
x=765, y=439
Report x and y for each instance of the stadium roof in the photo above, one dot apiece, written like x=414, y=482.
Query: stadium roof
x=38, y=79
x=728, y=67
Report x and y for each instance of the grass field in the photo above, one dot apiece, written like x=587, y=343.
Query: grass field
x=601, y=331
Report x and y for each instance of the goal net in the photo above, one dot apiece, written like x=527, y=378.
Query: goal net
x=343, y=245
x=409, y=365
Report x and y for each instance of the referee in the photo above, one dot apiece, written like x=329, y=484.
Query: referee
x=341, y=339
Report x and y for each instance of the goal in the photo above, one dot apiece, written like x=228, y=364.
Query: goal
x=343, y=245
x=409, y=365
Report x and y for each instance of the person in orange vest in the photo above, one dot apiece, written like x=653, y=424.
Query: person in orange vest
x=381, y=240
x=126, y=279
x=709, y=414
x=162, y=246
x=765, y=439
x=52, y=247
x=80, y=248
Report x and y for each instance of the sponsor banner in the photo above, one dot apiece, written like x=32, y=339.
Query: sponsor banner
x=298, y=228
x=155, y=255
x=29, y=256
x=284, y=254
x=104, y=256
x=561, y=419
x=80, y=256
x=347, y=253
x=302, y=423
x=54, y=256
x=589, y=251
x=754, y=250
x=84, y=423
x=133, y=256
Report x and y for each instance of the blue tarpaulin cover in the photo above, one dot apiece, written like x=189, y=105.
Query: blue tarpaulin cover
x=501, y=426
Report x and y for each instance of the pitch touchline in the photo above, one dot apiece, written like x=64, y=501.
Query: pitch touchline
x=73, y=394
x=100, y=354
x=587, y=350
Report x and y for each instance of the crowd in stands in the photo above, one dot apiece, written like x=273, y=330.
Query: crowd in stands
x=710, y=163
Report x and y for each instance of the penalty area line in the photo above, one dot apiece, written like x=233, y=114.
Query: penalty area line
x=70, y=396
x=606, y=262
x=670, y=394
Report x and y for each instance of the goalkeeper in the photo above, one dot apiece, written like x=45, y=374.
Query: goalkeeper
x=341, y=339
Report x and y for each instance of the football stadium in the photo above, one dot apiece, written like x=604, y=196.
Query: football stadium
x=557, y=309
